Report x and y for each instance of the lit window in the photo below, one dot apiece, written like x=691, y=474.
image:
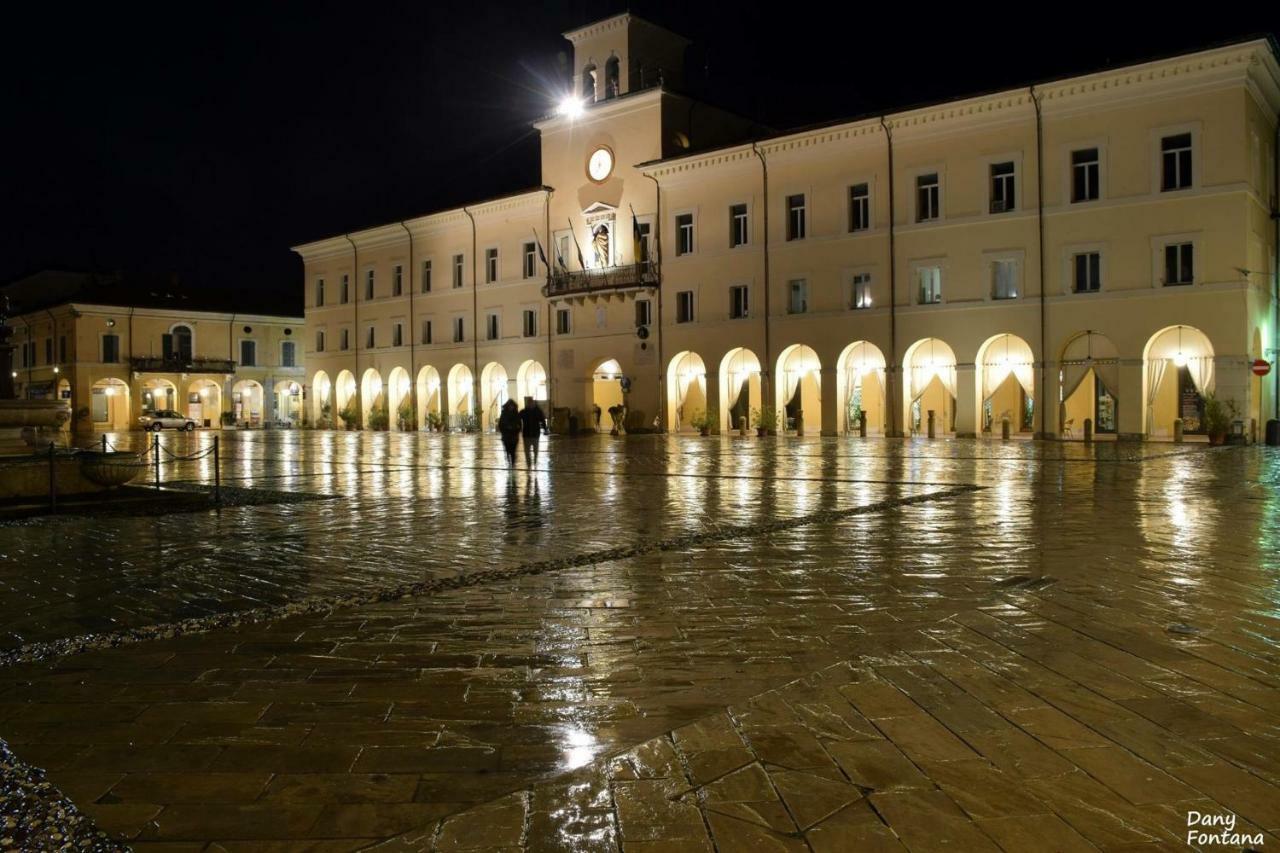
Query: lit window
x=929, y=282
x=1004, y=279
x=860, y=291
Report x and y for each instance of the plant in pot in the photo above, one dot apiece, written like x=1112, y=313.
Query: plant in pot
x=1218, y=415
x=404, y=415
x=703, y=421
x=379, y=419
x=765, y=420
x=350, y=415
x=325, y=421
x=435, y=423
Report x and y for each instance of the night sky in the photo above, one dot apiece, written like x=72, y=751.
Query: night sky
x=151, y=139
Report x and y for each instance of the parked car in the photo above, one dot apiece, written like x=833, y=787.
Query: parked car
x=166, y=419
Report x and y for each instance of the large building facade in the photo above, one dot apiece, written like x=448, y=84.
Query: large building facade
x=1099, y=249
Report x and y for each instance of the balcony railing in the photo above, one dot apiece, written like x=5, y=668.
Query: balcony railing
x=178, y=364
x=568, y=283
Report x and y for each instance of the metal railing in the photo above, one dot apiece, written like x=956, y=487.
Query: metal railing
x=179, y=364
x=569, y=282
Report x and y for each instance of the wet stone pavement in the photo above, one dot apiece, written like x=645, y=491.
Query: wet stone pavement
x=657, y=644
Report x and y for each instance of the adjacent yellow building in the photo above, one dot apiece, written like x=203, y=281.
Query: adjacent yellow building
x=115, y=363
x=1098, y=251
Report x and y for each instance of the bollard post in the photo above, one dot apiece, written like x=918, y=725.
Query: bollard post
x=217, y=474
x=742, y=426
x=53, y=481
x=933, y=433
x=1004, y=429
x=1088, y=430
x=155, y=456
x=799, y=423
x=1177, y=430
x=104, y=443
x=862, y=423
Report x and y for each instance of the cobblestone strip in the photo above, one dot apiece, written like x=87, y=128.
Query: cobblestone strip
x=319, y=605
x=34, y=815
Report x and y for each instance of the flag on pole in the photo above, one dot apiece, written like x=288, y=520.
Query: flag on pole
x=581, y=261
x=541, y=254
x=636, y=237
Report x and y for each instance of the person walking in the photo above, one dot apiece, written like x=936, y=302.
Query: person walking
x=509, y=427
x=533, y=424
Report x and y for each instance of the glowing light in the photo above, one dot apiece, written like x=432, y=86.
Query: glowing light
x=570, y=107
x=204, y=392
x=56, y=370
x=110, y=389
x=1180, y=359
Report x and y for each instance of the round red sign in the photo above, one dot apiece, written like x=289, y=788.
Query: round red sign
x=1261, y=367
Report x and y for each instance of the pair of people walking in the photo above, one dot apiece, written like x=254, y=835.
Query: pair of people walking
x=515, y=423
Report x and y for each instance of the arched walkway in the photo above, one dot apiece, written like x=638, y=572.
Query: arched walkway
x=429, y=415
x=1006, y=385
x=493, y=393
x=799, y=388
x=930, y=368
x=321, y=400
x=400, y=402
x=347, y=407
x=370, y=396
x=606, y=392
x=860, y=388
x=204, y=402
x=288, y=394
x=686, y=391
x=1177, y=375
x=740, y=388
x=531, y=381
x=246, y=398
x=1089, y=385
x=461, y=399
x=158, y=395
x=109, y=405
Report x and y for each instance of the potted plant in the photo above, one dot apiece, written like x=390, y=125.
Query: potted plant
x=703, y=421
x=325, y=419
x=404, y=415
x=435, y=423
x=379, y=418
x=350, y=415
x=1217, y=418
x=765, y=420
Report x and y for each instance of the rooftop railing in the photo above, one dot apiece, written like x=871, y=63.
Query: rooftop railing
x=571, y=282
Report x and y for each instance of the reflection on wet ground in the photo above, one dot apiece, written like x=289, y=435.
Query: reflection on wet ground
x=1089, y=618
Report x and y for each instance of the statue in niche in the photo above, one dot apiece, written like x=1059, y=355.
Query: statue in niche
x=600, y=244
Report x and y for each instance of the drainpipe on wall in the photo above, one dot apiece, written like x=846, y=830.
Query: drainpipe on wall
x=413, y=332
x=475, y=319
x=551, y=385
x=354, y=292
x=766, y=369
x=1275, y=271
x=1044, y=355
x=891, y=369
x=656, y=231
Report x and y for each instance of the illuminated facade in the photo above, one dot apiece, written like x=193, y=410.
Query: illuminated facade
x=1105, y=243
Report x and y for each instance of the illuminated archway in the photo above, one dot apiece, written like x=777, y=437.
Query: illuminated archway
x=740, y=388
x=1089, y=386
x=1006, y=384
x=461, y=397
x=158, y=395
x=109, y=405
x=288, y=394
x=606, y=392
x=399, y=401
x=686, y=391
x=531, y=381
x=930, y=386
x=204, y=402
x=370, y=395
x=860, y=387
x=429, y=415
x=321, y=396
x=345, y=401
x=798, y=388
x=246, y=398
x=1178, y=372
x=493, y=393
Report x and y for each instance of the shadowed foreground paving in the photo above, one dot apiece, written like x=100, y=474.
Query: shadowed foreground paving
x=1071, y=657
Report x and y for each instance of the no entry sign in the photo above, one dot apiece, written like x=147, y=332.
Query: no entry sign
x=1261, y=367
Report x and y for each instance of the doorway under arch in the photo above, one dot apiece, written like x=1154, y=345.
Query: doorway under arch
x=429, y=398
x=246, y=398
x=930, y=366
x=1006, y=385
x=1178, y=372
x=204, y=402
x=1089, y=386
x=109, y=405
x=345, y=401
x=399, y=403
x=606, y=392
x=288, y=401
x=686, y=391
x=798, y=389
x=741, y=391
x=158, y=395
x=531, y=381
x=861, y=388
x=461, y=398
x=493, y=394
x=321, y=391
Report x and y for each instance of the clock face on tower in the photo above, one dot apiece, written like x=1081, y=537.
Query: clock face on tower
x=600, y=164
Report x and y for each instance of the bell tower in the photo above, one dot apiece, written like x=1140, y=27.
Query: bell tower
x=624, y=54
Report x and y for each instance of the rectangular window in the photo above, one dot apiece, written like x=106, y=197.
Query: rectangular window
x=370, y=339
x=738, y=304
x=490, y=265
x=1002, y=187
x=345, y=295
x=397, y=335
x=684, y=233
x=797, y=296
x=344, y=341
x=530, y=260
x=491, y=330
x=457, y=270
x=929, y=281
x=1004, y=279
x=62, y=349
x=927, y=197
x=248, y=353
x=1175, y=158
x=738, y=233
x=684, y=306
x=426, y=276
x=529, y=323
x=319, y=293
x=397, y=281
x=110, y=349
x=860, y=291
x=1086, y=272
x=48, y=350
x=795, y=217
x=459, y=332
x=319, y=341
x=426, y=332
x=1178, y=263
x=644, y=242
x=644, y=312
x=287, y=355
x=562, y=321
x=1085, y=172
x=368, y=285
x=859, y=207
